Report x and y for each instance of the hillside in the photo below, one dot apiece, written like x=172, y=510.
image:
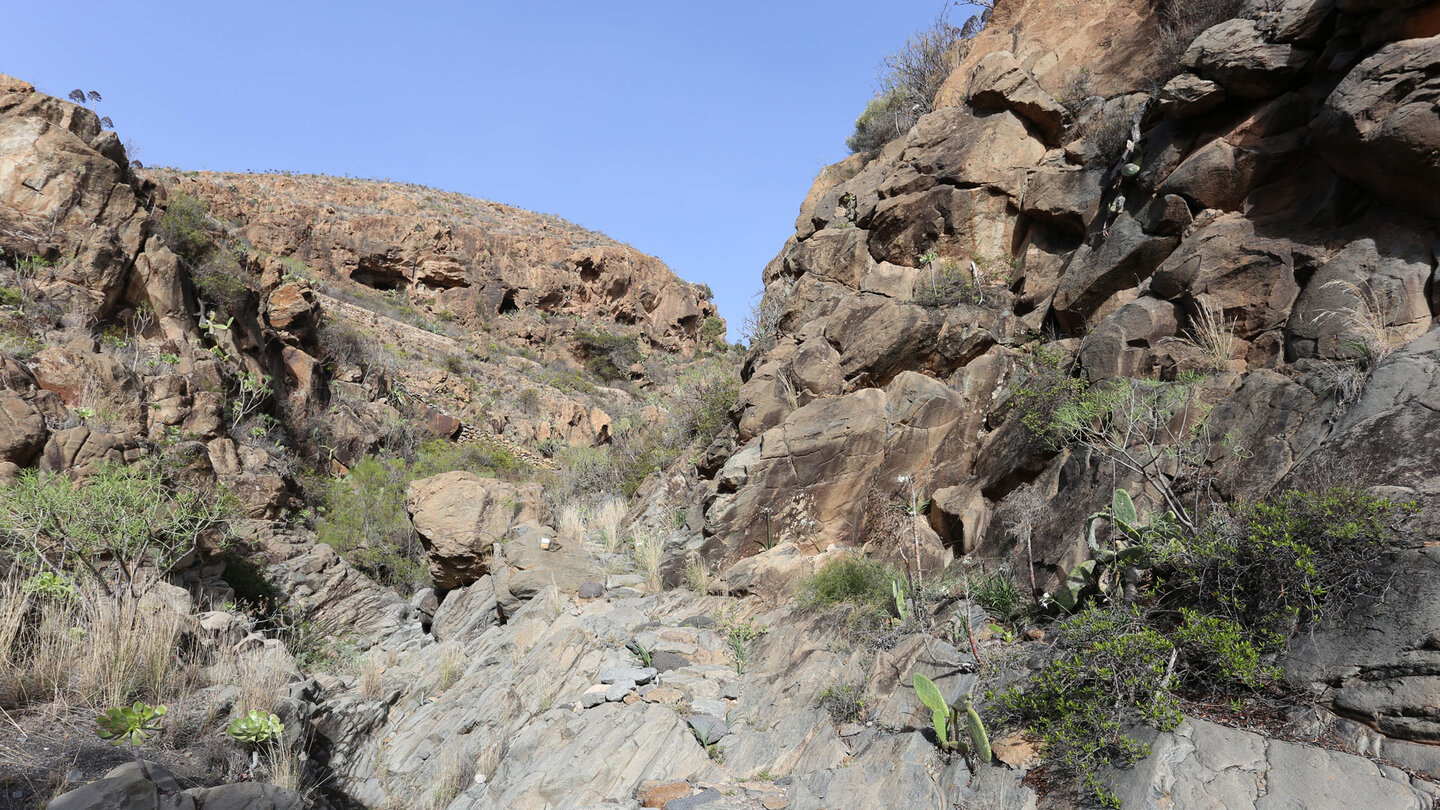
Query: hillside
x=1081, y=456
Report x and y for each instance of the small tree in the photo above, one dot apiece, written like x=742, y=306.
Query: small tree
x=121, y=518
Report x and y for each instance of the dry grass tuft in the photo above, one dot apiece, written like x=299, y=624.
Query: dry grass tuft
x=88, y=649
x=1213, y=336
x=457, y=772
x=607, y=520
x=452, y=665
x=697, y=576
x=1367, y=323
x=372, y=677
x=572, y=524
x=648, y=551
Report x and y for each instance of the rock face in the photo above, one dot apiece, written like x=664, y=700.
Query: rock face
x=460, y=517
x=477, y=260
x=66, y=188
x=1281, y=186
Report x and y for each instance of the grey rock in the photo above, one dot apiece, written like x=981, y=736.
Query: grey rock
x=1378, y=127
x=618, y=690
x=1201, y=764
x=633, y=675
x=708, y=728
x=711, y=707
x=1236, y=55
x=704, y=797
x=591, y=590
x=1188, y=94
x=664, y=661
x=698, y=621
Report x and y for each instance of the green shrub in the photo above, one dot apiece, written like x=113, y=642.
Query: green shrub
x=1282, y=563
x=186, y=227
x=221, y=281
x=608, y=356
x=948, y=286
x=909, y=80
x=850, y=579
x=712, y=332
x=122, y=525
x=1111, y=674
x=886, y=117
x=1219, y=653
x=10, y=296
x=996, y=592
x=700, y=404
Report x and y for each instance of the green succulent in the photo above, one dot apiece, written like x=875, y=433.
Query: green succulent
x=132, y=725
x=255, y=727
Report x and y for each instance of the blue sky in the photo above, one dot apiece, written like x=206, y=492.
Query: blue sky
x=690, y=130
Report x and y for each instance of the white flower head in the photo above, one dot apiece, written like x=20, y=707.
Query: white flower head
x=902, y=479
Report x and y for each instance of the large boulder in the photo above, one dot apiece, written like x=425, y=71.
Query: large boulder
x=460, y=517
x=1237, y=56
x=1379, y=127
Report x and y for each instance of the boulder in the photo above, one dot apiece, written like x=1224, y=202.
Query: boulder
x=1001, y=83
x=1237, y=56
x=1379, y=127
x=803, y=480
x=82, y=451
x=528, y=564
x=1121, y=345
x=22, y=430
x=1188, y=94
x=460, y=516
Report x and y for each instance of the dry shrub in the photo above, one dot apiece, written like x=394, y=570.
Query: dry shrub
x=1180, y=22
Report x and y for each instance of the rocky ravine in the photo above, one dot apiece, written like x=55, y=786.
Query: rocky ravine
x=1280, y=179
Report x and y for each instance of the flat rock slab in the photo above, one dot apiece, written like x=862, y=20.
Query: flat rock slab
x=711, y=707
x=594, y=696
x=635, y=675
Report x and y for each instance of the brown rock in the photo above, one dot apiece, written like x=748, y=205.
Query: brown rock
x=81, y=450
x=460, y=517
x=656, y=794
x=22, y=430
x=1000, y=82
x=291, y=308
x=1379, y=126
